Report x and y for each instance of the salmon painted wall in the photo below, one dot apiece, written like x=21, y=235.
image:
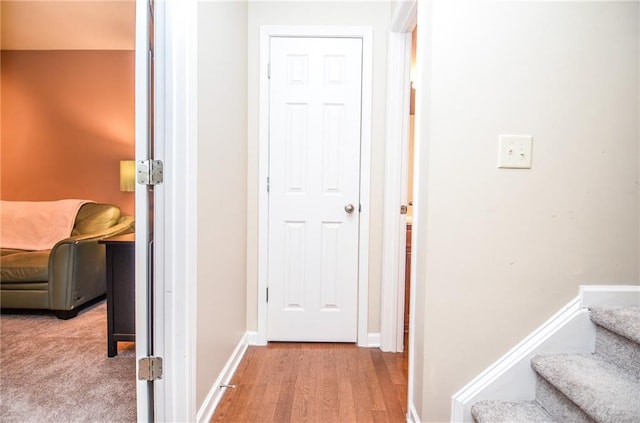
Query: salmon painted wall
x=67, y=119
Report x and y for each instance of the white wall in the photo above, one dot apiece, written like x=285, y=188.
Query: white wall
x=500, y=251
x=376, y=14
x=222, y=187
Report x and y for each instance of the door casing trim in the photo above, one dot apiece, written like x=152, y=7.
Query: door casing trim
x=175, y=205
x=396, y=181
x=366, y=34
x=392, y=289
x=144, y=397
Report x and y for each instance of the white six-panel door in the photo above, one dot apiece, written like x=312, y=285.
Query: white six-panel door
x=314, y=188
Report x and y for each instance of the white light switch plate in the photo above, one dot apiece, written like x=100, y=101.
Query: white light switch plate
x=514, y=151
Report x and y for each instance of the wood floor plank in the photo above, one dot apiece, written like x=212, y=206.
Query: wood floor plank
x=274, y=376
x=394, y=367
x=223, y=407
x=380, y=416
x=398, y=375
x=289, y=366
x=329, y=381
x=244, y=396
x=360, y=383
x=296, y=382
x=346, y=406
x=392, y=406
x=369, y=373
x=303, y=407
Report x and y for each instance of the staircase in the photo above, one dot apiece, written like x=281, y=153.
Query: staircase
x=602, y=387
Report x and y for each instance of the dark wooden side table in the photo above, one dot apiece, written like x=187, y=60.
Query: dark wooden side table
x=121, y=292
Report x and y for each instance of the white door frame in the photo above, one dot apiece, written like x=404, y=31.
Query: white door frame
x=143, y=395
x=175, y=205
x=396, y=184
x=366, y=34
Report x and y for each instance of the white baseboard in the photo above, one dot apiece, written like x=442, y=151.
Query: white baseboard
x=373, y=340
x=613, y=295
x=412, y=414
x=511, y=378
x=252, y=338
x=205, y=413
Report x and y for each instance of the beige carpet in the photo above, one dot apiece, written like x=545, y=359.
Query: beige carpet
x=55, y=370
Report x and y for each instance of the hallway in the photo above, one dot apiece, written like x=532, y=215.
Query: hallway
x=286, y=382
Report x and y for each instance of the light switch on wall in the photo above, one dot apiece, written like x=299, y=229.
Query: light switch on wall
x=514, y=151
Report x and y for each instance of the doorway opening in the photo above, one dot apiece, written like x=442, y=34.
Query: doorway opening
x=398, y=199
x=409, y=181
x=396, y=327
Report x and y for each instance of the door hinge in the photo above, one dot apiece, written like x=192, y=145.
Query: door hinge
x=268, y=184
x=267, y=294
x=150, y=368
x=403, y=209
x=150, y=172
x=359, y=208
x=269, y=70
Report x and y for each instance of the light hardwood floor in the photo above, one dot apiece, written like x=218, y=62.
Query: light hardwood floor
x=293, y=382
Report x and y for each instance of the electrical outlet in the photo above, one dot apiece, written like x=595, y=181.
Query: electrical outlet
x=514, y=151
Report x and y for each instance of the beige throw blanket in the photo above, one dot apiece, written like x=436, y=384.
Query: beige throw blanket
x=37, y=225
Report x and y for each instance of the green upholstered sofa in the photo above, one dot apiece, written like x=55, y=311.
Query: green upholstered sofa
x=69, y=274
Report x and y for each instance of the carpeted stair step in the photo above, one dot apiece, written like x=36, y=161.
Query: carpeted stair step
x=600, y=389
x=510, y=412
x=623, y=320
x=618, y=336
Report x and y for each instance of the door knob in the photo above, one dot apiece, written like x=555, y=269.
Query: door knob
x=349, y=208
